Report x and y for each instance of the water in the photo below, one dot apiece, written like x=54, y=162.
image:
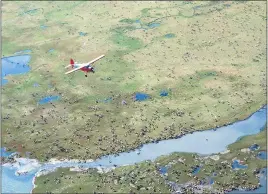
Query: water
x=16, y=184
x=236, y=165
x=51, y=50
x=141, y=97
x=169, y=35
x=4, y=153
x=194, y=143
x=14, y=65
x=48, y=99
x=164, y=93
x=35, y=85
x=43, y=27
x=153, y=25
x=163, y=170
x=197, y=7
x=254, y=147
x=196, y=170
x=262, y=155
x=211, y=181
x=32, y=11
x=82, y=33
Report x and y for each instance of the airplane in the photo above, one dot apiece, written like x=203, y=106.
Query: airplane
x=86, y=67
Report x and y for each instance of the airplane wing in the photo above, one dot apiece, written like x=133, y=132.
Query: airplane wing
x=85, y=64
x=67, y=66
x=73, y=70
x=94, y=60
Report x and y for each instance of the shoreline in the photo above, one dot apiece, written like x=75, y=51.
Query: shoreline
x=33, y=183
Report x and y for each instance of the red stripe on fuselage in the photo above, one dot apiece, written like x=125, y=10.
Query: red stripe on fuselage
x=86, y=69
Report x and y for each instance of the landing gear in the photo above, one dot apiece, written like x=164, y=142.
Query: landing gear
x=85, y=75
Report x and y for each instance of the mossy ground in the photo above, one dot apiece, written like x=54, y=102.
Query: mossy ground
x=214, y=67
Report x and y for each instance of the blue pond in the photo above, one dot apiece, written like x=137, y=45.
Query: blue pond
x=237, y=165
x=170, y=35
x=141, y=96
x=31, y=11
x=164, y=93
x=153, y=25
x=48, y=99
x=219, y=140
x=51, y=50
x=197, y=7
x=106, y=100
x=14, y=65
x=82, y=33
x=43, y=27
x=210, y=181
x=163, y=170
x=35, y=85
x=254, y=147
x=196, y=170
x=262, y=155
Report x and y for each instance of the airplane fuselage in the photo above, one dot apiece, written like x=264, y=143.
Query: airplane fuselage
x=86, y=69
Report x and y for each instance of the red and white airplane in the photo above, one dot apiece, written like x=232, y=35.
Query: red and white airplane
x=86, y=67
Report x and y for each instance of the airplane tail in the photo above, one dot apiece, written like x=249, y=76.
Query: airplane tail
x=72, y=62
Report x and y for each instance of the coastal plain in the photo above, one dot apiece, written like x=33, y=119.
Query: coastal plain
x=209, y=56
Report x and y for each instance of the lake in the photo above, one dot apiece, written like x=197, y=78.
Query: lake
x=14, y=65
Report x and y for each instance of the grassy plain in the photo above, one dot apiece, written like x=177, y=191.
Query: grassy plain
x=146, y=177
x=214, y=66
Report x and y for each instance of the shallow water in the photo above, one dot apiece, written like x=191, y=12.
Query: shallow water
x=236, y=165
x=164, y=93
x=16, y=184
x=254, y=147
x=4, y=153
x=194, y=143
x=170, y=35
x=262, y=155
x=43, y=27
x=163, y=170
x=14, y=65
x=48, y=99
x=35, y=85
x=196, y=170
x=153, y=25
x=141, y=96
x=82, y=33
